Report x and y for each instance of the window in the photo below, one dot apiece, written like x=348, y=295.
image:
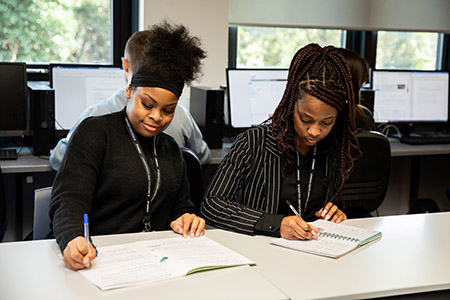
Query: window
x=407, y=50
x=267, y=47
x=41, y=31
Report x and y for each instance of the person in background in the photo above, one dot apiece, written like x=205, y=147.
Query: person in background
x=304, y=155
x=182, y=128
x=120, y=168
x=360, y=75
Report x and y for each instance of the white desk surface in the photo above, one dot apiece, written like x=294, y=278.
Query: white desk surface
x=27, y=163
x=411, y=257
x=34, y=270
x=402, y=149
x=397, y=149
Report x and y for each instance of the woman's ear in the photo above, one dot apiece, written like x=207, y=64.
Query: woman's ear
x=128, y=91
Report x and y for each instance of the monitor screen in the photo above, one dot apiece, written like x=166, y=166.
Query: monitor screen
x=13, y=99
x=79, y=86
x=410, y=96
x=253, y=95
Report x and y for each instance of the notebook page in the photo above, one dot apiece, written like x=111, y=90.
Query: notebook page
x=324, y=246
x=335, y=241
x=152, y=260
x=361, y=234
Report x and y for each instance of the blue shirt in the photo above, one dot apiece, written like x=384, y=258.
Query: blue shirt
x=182, y=128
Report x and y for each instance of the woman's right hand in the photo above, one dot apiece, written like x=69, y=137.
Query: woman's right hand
x=77, y=256
x=295, y=228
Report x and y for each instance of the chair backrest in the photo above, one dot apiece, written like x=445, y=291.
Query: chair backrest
x=41, y=223
x=367, y=185
x=3, y=218
x=195, y=177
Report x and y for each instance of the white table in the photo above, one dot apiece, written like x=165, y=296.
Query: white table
x=26, y=163
x=411, y=257
x=34, y=270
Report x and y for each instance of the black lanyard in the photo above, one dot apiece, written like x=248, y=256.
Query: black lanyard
x=149, y=197
x=299, y=188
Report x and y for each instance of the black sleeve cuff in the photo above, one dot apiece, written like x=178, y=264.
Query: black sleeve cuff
x=269, y=224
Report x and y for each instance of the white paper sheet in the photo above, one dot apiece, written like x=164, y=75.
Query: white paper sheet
x=144, y=261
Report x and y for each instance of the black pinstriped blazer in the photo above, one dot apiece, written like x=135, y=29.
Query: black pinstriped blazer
x=250, y=173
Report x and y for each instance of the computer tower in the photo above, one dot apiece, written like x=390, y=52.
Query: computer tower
x=42, y=120
x=207, y=108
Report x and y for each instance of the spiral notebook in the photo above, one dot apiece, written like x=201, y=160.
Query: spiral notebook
x=334, y=241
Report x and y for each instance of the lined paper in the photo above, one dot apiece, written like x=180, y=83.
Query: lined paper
x=128, y=264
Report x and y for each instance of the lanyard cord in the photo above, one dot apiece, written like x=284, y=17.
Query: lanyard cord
x=299, y=188
x=149, y=197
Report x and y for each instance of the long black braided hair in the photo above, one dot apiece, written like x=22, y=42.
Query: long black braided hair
x=321, y=73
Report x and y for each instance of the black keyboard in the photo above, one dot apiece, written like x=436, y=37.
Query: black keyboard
x=6, y=154
x=426, y=139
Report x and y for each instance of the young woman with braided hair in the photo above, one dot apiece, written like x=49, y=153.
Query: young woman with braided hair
x=303, y=154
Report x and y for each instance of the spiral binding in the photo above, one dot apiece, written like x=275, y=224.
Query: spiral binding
x=337, y=236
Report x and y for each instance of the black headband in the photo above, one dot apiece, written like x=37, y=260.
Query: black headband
x=152, y=80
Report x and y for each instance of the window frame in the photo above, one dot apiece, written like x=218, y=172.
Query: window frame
x=124, y=22
x=363, y=42
x=233, y=43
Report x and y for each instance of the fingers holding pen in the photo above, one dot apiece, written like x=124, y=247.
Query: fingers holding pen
x=77, y=255
x=295, y=228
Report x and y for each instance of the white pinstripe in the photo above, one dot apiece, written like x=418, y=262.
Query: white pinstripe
x=254, y=166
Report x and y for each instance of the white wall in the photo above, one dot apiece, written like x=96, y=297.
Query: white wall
x=302, y=13
x=206, y=19
x=209, y=20
x=412, y=15
x=408, y=15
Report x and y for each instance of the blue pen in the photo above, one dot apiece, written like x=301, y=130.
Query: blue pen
x=86, y=230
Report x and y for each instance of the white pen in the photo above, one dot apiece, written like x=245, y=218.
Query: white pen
x=292, y=208
x=296, y=213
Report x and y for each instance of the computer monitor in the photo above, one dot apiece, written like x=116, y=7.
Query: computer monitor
x=411, y=97
x=13, y=100
x=79, y=86
x=253, y=95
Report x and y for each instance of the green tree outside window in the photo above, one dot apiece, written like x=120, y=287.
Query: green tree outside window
x=42, y=31
x=266, y=47
x=406, y=50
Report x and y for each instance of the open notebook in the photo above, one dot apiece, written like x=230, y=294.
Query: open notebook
x=151, y=260
x=334, y=241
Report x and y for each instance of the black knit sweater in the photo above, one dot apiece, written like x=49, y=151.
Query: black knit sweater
x=102, y=175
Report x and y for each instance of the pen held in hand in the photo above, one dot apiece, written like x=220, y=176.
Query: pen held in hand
x=292, y=208
x=86, y=230
x=296, y=213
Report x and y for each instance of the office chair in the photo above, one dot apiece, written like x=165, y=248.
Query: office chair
x=3, y=218
x=41, y=222
x=367, y=185
x=195, y=177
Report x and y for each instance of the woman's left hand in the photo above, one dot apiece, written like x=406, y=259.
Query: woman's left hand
x=189, y=222
x=331, y=213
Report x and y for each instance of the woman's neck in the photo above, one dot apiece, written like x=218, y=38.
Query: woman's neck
x=301, y=148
